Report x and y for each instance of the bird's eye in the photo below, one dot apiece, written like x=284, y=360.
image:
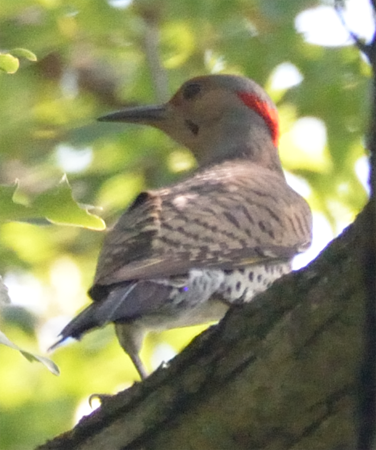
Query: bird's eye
x=191, y=90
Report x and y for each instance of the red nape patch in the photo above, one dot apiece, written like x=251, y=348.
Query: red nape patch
x=268, y=113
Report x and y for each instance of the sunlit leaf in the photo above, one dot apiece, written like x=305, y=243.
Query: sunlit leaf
x=23, y=53
x=10, y=210
x=51, y=366
x=56, y=205
x=59, y=207
x=9, y=63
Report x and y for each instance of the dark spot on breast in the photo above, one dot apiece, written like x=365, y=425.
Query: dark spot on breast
x=250, y=276
x=238, y=285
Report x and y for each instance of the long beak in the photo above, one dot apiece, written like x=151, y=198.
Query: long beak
x=150, y=115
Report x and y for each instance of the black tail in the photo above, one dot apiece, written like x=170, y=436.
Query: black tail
x=82, y=323
x=124, y=302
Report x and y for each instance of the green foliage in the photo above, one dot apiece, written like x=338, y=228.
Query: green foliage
x=10, y=63
x=93, y=58
x=56, y=205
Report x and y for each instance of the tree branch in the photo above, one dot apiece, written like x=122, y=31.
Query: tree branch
x=151, y=17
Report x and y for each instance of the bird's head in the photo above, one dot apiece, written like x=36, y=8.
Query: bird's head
x=218, y=117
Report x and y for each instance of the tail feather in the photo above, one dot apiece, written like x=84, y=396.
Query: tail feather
x=84, y=322
x=123, y=303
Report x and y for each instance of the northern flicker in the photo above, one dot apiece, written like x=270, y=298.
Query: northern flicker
x=181, y=255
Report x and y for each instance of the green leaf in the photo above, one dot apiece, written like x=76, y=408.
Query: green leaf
x=51, y=366
x=24, y=53
x=58, y=206
x=11, y=211
x=9, y=63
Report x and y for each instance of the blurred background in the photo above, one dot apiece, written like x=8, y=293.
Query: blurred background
x=93, y=57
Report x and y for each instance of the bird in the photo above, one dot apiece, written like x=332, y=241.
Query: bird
x=182, y=254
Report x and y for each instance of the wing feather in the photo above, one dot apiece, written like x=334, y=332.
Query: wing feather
x=225, y=217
